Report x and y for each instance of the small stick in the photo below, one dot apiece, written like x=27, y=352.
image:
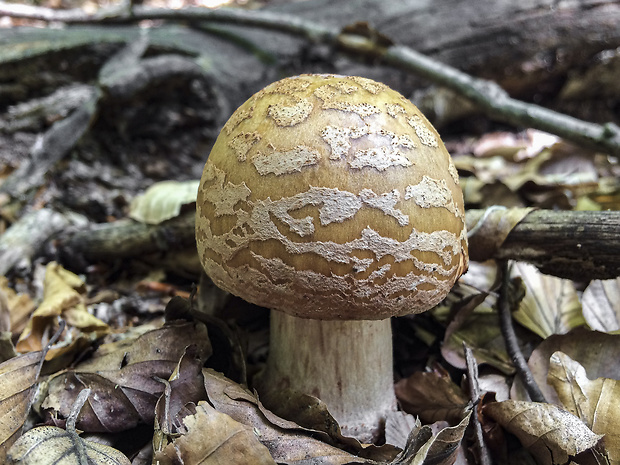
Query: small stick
x=474, y=392
x=510, y=338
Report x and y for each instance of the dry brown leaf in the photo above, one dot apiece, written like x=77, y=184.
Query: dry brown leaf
x=432, y=396
x=17, y=377
x=425, y=446
x=601, y=305
x=19, y=306
x=183, y=390
x=488, y=230
x=63, y=296
x=51, y=445
x=214, y=438
x=552, y=435
x=287, y=442
x=594, y=401
x=123, y=381
x=592, y=349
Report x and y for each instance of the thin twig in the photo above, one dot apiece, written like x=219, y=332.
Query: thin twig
x=510, y=338
x=474, y=392
x=79, y=402
x=486, y=94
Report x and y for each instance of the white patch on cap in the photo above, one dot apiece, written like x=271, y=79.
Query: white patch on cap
x=380, y=158
x=430, y=193
x=285, y=114
x=242, y=143
x=425, y=135
x=287, y=162
x=385, y=202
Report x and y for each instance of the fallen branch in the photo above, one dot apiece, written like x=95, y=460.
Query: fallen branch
x=579, y=245
x=486, y=94
x=576, y=245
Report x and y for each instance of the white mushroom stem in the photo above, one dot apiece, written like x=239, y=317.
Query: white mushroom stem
x=346, y=364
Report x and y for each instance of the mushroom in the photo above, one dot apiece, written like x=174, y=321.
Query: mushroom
x=332, y=201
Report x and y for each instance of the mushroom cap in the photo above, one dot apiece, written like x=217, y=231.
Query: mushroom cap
x=331, y=197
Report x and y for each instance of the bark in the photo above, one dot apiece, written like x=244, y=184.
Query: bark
x=580, y=245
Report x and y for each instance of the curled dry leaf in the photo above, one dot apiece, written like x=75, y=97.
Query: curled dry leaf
x=550, y=306
x=183, y=390
x=426, y=447
x=488, y=231
x=17, y=377
x=592, y=349
x=288, y=443
x=51, y=445
x=551, y=434
x=214, y=438
x=19, y=306
x=594, y=401
x=601, y=305
x=64, y=297
x=432, y=396
x=123, y=381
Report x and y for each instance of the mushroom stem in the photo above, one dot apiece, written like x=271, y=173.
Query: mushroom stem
x=346, y=364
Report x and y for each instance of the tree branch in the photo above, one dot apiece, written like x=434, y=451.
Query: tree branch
x=576, y=245
x=487, y=95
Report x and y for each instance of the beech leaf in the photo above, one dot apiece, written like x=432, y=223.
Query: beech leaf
x=17, y=377
x=601, y=305
x=551, y=434
x=163, y=201
x=426, y=447
x=214, y=438
x=50, y=445
x=432, y=396
x=124, y=381
x=592, y=349
x=594, y=401
x=288, y=443
x=64, y=297
x=550, y=306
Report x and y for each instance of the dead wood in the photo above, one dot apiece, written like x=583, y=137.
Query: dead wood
x=568, y=244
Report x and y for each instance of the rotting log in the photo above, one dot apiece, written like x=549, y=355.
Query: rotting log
x=579, y=245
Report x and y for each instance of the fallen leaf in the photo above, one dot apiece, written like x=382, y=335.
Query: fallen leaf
x=55, y=446
x=163, y=201
x=424, y=446
x=183, y=390
x=19, y=306
x=488, y=230
x=550, y=306
x=123, y=381
x=214, y=438
x=594, y=401
x=552, y=435
x=432, y=396
x=601, y=305
x=17, y=377
x=64, y=297
x=592, y=349
x=287, y=442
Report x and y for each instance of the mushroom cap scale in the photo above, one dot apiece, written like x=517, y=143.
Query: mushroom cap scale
x=331, y=197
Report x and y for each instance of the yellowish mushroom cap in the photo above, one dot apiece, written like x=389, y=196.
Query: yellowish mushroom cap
x=331, y=197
